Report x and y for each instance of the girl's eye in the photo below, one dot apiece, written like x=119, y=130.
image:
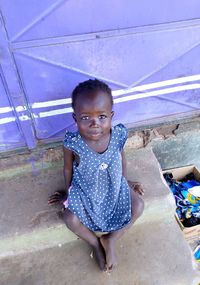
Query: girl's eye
x=84, y=118
x=102, y=117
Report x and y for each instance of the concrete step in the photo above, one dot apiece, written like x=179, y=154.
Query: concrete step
x=147, y=255
x=36, y=248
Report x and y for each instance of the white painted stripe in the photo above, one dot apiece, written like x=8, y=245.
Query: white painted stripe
x=13, y=119
x=119, y=92
x=20, y=108
x=24, y=118
x=125, y=99
x=128, y=98
x=5, y=110
x=116, y=100
x=55, y=112
x=156, y=85
x=7, y=120
x=157, y=93
x=51, y=103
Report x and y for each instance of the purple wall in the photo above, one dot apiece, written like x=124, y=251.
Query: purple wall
x=147, y=51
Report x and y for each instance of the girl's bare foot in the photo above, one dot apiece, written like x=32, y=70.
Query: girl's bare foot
x=108, y=245
x=100, y=256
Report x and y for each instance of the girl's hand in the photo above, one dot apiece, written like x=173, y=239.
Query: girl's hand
x=137, y=187
x=58, y=197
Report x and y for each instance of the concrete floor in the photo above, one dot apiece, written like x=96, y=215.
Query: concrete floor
x=37, y=249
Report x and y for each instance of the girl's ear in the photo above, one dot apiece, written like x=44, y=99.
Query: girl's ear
x=74, y=117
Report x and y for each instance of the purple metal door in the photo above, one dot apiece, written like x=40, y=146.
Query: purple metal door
x=15, y=119
x=147, y=51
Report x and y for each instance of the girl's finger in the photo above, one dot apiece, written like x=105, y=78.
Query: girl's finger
x=51, y=201
x=56, y=196
x=59, y=193
x=141, y=191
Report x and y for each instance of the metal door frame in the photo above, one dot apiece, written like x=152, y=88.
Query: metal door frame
x=14, y=89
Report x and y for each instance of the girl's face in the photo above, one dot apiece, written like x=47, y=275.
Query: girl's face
x=93, y=115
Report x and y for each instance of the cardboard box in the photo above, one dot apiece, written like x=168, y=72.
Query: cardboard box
x=191, y=234
x=180, y=172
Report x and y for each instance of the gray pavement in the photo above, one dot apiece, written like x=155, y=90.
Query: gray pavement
x=37, y=249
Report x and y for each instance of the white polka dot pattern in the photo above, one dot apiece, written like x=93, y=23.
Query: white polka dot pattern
x=100, y=195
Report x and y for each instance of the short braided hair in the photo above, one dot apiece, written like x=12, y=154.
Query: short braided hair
x=88, y=86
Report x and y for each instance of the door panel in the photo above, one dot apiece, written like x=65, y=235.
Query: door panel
x=139, y=59
x=36, y=19
x=10, y=133
x=147, y=51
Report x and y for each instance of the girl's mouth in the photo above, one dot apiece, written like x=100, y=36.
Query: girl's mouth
x=95, y=134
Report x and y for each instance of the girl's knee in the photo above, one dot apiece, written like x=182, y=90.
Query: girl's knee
x=70, y=219
x=138, y=205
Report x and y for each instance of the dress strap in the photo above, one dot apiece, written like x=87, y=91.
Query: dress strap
x=122, y=133
x=72, y=141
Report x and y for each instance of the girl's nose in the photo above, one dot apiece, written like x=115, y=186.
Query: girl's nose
x=94, y=121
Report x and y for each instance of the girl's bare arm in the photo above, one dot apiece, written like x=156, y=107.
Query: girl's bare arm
x=61, y=195
x=68, y=167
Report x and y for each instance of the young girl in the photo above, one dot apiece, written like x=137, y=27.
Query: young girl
x=98, y=197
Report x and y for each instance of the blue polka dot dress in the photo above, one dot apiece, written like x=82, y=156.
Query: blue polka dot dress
x=99, y=195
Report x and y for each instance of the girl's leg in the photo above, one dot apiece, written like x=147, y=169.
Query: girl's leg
x=85, y=234
x=108, y=241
